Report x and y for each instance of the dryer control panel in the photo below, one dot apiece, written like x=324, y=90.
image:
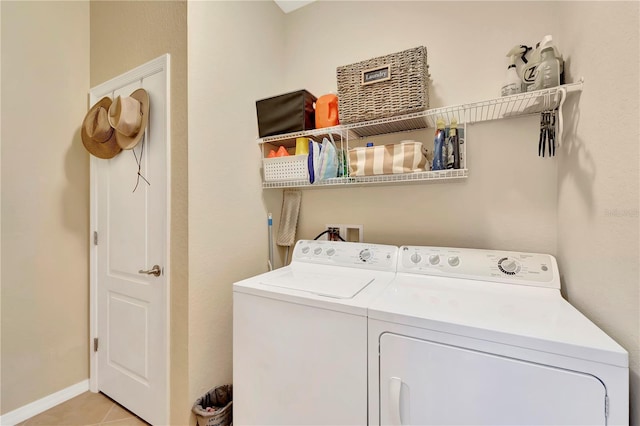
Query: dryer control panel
x=337, y=253
x=532, y=269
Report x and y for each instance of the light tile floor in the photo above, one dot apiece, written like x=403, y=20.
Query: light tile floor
x=86, y=409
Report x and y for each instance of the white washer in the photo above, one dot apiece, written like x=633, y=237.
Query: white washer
x=481, y=337
x=300, y=335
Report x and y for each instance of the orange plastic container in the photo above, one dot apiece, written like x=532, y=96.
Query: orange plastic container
x=327, y=111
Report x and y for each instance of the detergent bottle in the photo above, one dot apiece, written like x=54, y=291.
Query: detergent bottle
x=327, y=111
x=530, y=72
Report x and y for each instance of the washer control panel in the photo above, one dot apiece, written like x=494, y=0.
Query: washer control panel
x=338, y=253
x=488, y=265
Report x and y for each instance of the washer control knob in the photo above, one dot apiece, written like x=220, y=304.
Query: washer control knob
x=317, y=250
x=416, y=258
x=331, y=252
x=305, y=250
x=365, y=255
x=434, y=259
x=454, y=261
x=509, y=266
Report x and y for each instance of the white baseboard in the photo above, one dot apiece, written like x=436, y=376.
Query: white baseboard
x=36, y=407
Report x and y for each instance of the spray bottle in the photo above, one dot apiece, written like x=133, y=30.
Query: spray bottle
x=438, y=146
x=513, y=83
x=453, y=161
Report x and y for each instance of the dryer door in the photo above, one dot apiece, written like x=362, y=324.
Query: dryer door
x=428, y=383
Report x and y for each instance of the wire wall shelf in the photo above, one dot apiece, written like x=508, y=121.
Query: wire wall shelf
x=288, y=140
x=416, y=177
x=488, y=110
x=492, y=109
x=517, y=105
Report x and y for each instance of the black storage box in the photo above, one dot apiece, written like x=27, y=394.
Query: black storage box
x=291, y=112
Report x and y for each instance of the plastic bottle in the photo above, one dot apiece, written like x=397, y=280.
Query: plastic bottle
x=453, y=158
x=530, y=72
x=438, y=146
x=513, y=82
x=302, y=146
x=548, y=73
x=327, y=111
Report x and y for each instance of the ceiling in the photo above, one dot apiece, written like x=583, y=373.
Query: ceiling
x=291, y=5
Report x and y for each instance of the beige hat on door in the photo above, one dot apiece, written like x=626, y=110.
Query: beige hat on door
x=129, y=117
x=98, y=137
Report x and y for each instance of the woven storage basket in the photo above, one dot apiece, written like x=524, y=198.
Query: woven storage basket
x=220, y=400
x=383, y=87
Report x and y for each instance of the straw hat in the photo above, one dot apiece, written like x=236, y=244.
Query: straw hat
x=98, y=137
x=129, y=116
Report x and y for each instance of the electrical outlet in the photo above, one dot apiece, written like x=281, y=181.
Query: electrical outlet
x=351, y=233
x=333, y=231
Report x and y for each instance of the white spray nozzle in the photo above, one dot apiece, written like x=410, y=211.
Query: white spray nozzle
x=520, y=50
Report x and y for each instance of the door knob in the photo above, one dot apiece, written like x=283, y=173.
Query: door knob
x=153, y=271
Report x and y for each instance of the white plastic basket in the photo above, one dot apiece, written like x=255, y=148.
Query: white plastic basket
x=293, y=167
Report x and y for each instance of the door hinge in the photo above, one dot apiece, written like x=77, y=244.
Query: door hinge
x=95, y=344
x=606, y=406
x=95, y=238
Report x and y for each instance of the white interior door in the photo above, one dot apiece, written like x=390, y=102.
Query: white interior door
x=428, y=383
x=130, y=307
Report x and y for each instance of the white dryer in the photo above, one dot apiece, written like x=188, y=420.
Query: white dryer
x=481, y=337
x=300, y=335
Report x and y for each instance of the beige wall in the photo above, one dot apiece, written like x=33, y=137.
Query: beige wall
x=235, y=57
x=124, y=35
x=509, y=200
x=598, y=182
x=45, y=199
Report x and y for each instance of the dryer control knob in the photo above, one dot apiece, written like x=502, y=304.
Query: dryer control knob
x=317, y=250
x=305, y=250
x=416, y=258
x=509, y=265
x=434, y=259
x=454, y=261
x=331, y=252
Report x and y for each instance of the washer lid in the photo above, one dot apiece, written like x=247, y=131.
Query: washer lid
x=531, y=317
x=343, y=284
x=338, y=288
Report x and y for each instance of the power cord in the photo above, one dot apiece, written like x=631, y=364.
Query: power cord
x=333, y=235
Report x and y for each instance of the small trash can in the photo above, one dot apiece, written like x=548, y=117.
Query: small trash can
x=214, y=408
